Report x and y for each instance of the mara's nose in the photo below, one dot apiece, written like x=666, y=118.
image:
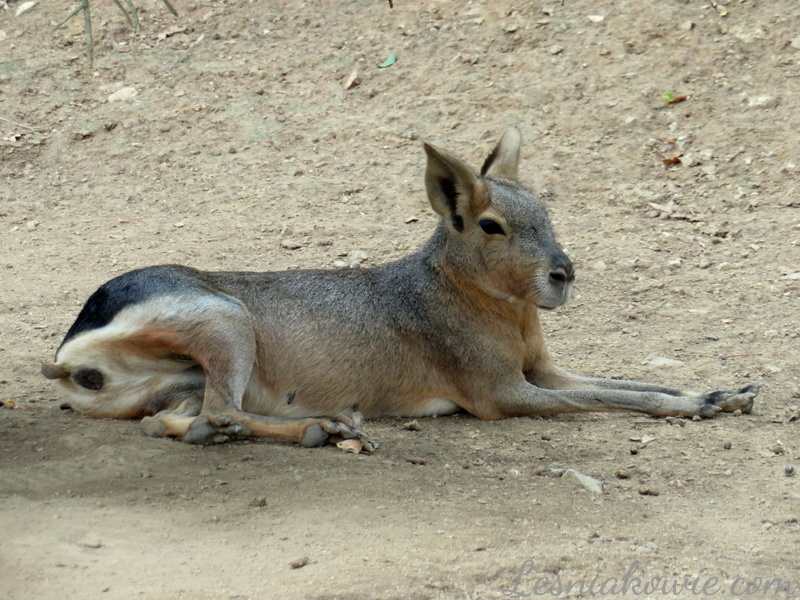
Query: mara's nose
x=561, y=269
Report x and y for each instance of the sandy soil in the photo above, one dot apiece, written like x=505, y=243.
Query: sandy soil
x=235, y=133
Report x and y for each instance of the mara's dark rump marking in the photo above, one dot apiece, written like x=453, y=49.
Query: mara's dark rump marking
x=126, y=290
x=91, y=379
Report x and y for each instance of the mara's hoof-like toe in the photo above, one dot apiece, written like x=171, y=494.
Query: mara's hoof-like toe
x=153, y=427
x=729, y=401
x=314, y=436
x=200, y=432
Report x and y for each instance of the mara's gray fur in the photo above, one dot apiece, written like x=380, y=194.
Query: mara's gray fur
x=297, y=355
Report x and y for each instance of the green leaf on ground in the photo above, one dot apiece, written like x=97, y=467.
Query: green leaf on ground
x=390, y=60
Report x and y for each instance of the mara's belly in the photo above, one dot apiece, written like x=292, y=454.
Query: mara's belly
x=431, y=407
x=259, y=399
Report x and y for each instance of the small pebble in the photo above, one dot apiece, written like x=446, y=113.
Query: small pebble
x=291, y=244
x=122, y=95
x=762, y=101
x=634, y=449
x=788, y=471
x=539, y=469
x=777, y=448
x=417, y=461
x=647, y=490
x=358, y=255
x=412, y=426
x=727, y=445
x=300, y=562
x=622, y=474
x=661, y=362
x=546, y=437
x=90, y=541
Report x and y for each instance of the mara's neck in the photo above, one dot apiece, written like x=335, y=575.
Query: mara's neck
x=468, y=281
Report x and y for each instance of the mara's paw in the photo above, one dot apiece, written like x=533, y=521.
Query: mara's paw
x=211, y=429
x=168, y=424
x=729, y=401
x=323, y=431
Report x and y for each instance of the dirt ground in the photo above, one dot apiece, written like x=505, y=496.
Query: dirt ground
x=225, y=138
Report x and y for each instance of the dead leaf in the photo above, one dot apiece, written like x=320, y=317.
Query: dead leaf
x=672, y=160
x=353, y=80
x=170, y=32
x=672, y=98
x=667, y=209
x=352, y=446
x=24, y=7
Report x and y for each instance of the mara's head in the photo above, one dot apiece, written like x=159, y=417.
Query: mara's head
x=497, y=230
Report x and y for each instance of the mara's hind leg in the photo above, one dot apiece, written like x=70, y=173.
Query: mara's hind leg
x=220, y=337
x=237, y=425
x=175, y=422
x=184, y=422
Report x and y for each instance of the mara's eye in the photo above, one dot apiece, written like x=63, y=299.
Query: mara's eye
x=491, y=227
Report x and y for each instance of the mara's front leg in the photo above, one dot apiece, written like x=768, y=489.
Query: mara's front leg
x=524, y=399
x=553, y=378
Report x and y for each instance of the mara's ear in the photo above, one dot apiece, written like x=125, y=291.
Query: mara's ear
x=504, y=159
x=454, y=190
